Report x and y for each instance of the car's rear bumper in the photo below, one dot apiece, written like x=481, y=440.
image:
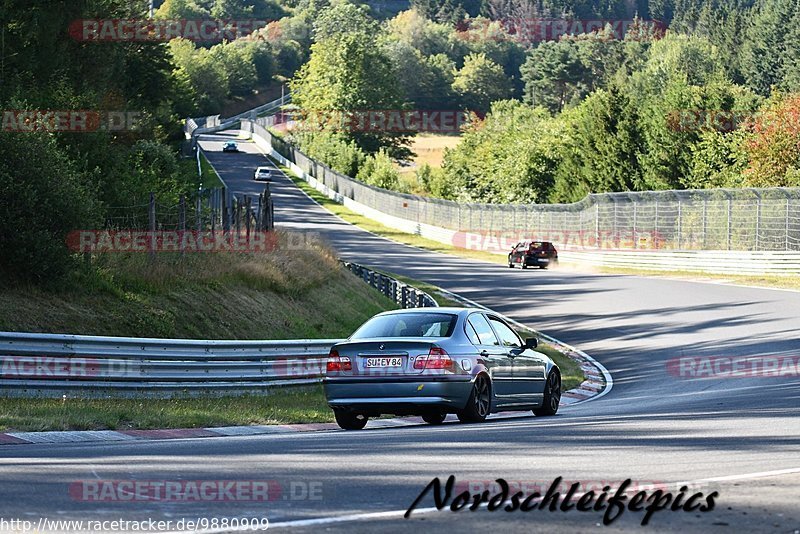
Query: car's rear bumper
x=532, y=260
x=397, y=396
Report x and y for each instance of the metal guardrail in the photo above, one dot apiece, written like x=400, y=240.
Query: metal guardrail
x=402, y=294
x=214, y=123
x=52, y=365
x=56, y=364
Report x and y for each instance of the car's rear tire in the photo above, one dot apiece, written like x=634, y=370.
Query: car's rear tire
x=524, y=265
x=434, y=418
x=479, y=403
x=552, y=395
x=350, y=420
x=543, y=266
x=510, y=264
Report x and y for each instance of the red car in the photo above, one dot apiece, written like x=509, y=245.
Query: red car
x=533, y=254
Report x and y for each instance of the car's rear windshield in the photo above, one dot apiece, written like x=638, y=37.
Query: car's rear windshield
x=536, y=246
x=407, y=325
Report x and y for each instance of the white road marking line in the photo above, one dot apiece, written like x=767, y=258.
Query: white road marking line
x=351, y=517
x=399, y=513
x=746, y=476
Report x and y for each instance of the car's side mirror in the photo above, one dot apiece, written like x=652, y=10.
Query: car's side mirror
x=531, y=343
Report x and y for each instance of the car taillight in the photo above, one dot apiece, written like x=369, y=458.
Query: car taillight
x=337, y=363
x=437, y=358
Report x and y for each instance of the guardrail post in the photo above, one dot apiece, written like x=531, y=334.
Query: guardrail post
x=680, y=225
x=420, y=300
x=394, y=291
x=403, y=296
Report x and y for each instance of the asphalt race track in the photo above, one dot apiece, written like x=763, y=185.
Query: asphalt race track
x=737, y=436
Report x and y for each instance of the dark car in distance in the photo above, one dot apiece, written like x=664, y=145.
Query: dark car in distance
x=437, y=361
x=526, y=254
x=230, y=146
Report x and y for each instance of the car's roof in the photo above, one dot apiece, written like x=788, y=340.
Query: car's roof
x=443, y=309
x=264, y=169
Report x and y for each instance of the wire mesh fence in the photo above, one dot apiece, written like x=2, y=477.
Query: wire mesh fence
x=752, y=219
x=208, y=220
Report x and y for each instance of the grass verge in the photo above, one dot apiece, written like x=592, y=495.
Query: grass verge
x=283, y=294
x=285, y=406
x=209, y=177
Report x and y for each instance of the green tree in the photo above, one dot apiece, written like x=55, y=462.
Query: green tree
x=766, y=52
x=554, y=75
x=349, y=74
x=480, y=82
x=238, y=64
x=379, y=171
x=44, y=199
x=602, y=148
x=181, y=9
x=511, y=156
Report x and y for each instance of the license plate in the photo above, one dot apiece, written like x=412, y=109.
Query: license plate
x=384, y=362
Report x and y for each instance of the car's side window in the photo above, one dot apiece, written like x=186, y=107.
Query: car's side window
x=471, y=334
x=507, y=336
x=483, y=330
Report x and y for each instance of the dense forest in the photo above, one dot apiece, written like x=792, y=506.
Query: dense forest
x=694, y=93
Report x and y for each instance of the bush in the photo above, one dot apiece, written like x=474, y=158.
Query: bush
x=380, y=172
x=44, y=198
x=334, y=151
x=434, y=181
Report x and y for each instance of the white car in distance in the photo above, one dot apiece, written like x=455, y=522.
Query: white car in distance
x=263, y=174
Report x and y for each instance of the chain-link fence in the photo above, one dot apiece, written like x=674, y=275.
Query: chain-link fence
x=713, y=219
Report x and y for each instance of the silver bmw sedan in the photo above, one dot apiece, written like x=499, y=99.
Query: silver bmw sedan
x=435, y=361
